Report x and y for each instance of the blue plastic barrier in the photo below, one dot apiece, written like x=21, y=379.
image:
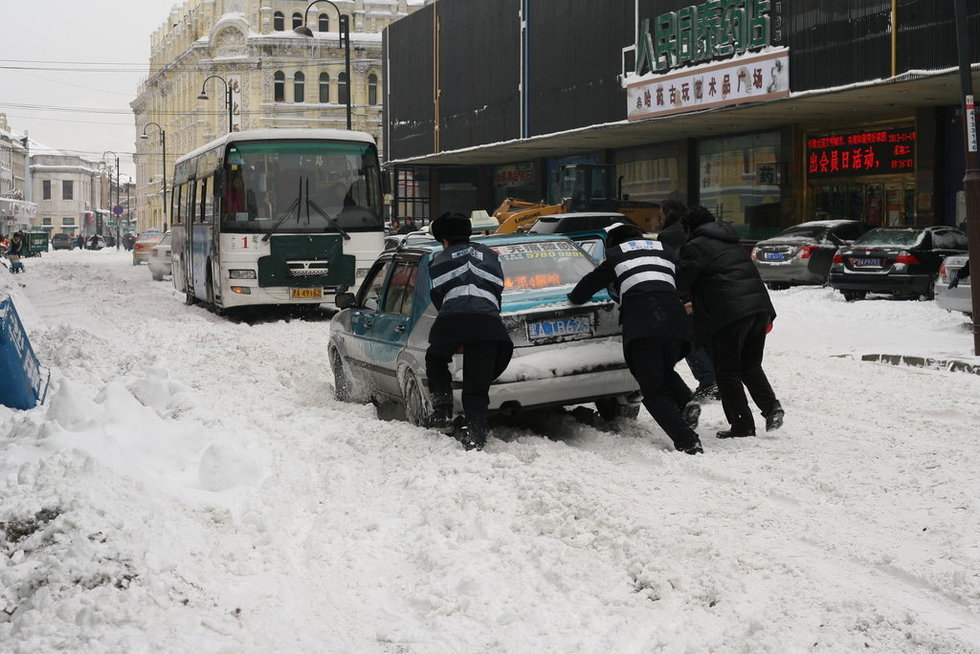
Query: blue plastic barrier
x=21, y=384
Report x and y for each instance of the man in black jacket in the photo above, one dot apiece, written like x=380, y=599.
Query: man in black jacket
x=732, y=313
x=656, y=329
x=467, y=284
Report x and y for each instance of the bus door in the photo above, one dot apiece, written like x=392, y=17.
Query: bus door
x=200, y=238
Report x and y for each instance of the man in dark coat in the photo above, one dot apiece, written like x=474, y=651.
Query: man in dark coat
x=467, y=285
x=732, y=313
x=656, y=329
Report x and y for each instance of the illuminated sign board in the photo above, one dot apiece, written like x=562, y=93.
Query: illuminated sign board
x=514, y=175
x=878, y=152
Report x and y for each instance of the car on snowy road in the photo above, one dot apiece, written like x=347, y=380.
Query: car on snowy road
x=62, y=241
x=144, y=243
x=898, y=261
x=159, y=260
x=802, y=254
x=563, y=354
x=958, y=298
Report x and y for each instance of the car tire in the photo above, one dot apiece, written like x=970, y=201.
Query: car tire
x=157, y=277
x=343, y=389
x=851, y=296
x=416, y=407
x=773, y=286
x=610, y=408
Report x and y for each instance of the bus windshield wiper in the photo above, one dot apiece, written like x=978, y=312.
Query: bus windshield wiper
x=285, y=214
x=311, y=203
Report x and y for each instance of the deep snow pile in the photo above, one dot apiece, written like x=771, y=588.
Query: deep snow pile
x=192, y=485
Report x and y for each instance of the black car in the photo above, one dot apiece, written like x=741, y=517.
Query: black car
x=802, y=254
x=901, y=261
x=62, y=241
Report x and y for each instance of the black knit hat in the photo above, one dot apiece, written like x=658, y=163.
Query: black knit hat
x=697, y=216
x=451, y=227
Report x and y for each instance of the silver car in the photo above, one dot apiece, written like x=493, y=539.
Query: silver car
x=159, y=259
x=954, y=299
x=802, y=254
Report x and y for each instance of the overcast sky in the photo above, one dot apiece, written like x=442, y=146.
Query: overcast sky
x=49, y=55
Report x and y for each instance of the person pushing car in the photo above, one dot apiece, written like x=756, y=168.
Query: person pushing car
x=467, y=285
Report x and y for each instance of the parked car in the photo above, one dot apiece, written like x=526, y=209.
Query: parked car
x=954, y=299
x=98, y=243
x=62, y=241
x=564, y=354
x=802, y=254
x=901, y=261
x=144, y=243
x=159, y=259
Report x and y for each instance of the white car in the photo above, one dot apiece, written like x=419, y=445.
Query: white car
x=958, y=298
x=159, y=257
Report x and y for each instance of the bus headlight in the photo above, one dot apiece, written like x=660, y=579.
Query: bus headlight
x=241, y=274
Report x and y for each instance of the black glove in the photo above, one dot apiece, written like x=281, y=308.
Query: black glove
x=954, y=279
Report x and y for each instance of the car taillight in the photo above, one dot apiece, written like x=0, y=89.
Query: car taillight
x=906, y=257
x=752, y=254
x=942, y=270
x=838, y=258
x=806, y=251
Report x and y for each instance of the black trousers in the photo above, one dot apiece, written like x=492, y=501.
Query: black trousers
x=737, y=351
x=483, y=361
x=651, y=361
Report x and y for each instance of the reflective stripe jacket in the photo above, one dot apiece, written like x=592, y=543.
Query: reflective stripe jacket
x=466, y=278
x=642, y=273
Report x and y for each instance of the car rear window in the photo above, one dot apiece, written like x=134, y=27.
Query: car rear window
x=542, y=264
x=906, y=237
x=816, y=233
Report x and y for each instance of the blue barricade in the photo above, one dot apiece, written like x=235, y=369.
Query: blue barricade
x=21, y=384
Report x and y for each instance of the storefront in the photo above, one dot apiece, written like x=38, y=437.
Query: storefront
x=16, y=215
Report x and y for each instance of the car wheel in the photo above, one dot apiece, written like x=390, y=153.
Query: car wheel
x=212, y=304
x=851, y=296
x=157, y=277
x=773, y=286
x=342, y=387
x=930, y=294
x=416, y=407
x=610, y=408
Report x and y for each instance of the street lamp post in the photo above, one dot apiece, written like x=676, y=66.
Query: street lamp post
x=228, y=90
x=344, y=41
x=971, y=179
x=163, y=144
x=117, y=193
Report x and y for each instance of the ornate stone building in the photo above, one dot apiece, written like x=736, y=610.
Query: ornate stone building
x=278, y=78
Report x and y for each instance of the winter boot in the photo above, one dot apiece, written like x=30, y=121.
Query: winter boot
x=775, y=418
x=691, y=414
x=735, y=433
x=707, y=392
x=693, y=448
x=441, y=417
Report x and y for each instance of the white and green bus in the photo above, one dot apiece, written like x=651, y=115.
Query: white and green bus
x=275, y=216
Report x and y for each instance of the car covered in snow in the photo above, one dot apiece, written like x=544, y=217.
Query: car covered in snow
x=564, y=354
x=898, y=261
x=802, y=254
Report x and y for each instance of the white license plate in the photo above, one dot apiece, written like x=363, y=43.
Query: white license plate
x=558, y=327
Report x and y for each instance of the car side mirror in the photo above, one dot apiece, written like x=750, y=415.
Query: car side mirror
x=344, y=300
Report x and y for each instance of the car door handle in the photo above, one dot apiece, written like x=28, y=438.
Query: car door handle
x=368, y=324
x=400, y=329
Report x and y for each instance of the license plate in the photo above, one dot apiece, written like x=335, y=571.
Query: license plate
x=867, y=263
x=306, y=293
x=773, y=256
x=558, y=327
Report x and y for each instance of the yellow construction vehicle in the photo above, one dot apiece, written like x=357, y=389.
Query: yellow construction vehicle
x=584, y=187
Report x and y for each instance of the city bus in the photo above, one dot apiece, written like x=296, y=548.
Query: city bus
x=275, y=216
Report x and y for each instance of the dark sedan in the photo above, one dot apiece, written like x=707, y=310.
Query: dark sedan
x=900, y=261
x=802, y=254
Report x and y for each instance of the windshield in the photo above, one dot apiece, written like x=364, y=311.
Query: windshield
x=904, y=237
x=544, y=264
x=304, y=186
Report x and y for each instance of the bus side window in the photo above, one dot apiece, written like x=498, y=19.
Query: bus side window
x=207, y=199
x=190, y=201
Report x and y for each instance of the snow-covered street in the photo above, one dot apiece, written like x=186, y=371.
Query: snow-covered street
x=191, y=485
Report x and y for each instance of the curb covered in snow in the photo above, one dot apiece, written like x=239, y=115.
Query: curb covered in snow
x=950, y=365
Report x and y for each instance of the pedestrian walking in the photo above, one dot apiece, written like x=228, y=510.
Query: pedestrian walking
x=467, y=284
x=80, y=242
x=14, y=251
x=657, y=332
x=732, y=314
x=699, y=361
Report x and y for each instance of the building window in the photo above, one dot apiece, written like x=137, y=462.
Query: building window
x=67, y=190
x=372, y=89
x=297, y=20
x=343, y=89
x=298, y=85
x=279, y=86
x=324, y=87
x=278, y=21
x=323, y=23
x=46, y=189
x=46, y=222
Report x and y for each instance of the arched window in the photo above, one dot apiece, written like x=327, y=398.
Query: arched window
x=343, y=89
x=278, y=21
x=297, y=20
x=323, y=23
x=279, y=86
x=298, y=80
x=324, y=87
x=372, y=89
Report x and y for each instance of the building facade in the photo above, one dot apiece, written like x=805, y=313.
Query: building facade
x=768, y=112
x=277, y=78
x=16, y=209
x=70, y=194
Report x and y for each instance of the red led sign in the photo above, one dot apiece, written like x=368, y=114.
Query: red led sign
x=881, y=152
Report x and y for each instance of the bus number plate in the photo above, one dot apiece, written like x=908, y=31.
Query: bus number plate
x=306, y=293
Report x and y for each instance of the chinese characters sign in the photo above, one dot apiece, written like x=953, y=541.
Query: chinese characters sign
x=515, y=175
x=881, y=152
x=750, y=79
x=710, y=31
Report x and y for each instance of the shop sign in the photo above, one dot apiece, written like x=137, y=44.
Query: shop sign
x=750, y=79
x=878, y=152
x=515, y=175
x=711, y=31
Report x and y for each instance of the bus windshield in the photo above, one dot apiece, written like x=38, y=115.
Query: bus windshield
x=301, y=187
